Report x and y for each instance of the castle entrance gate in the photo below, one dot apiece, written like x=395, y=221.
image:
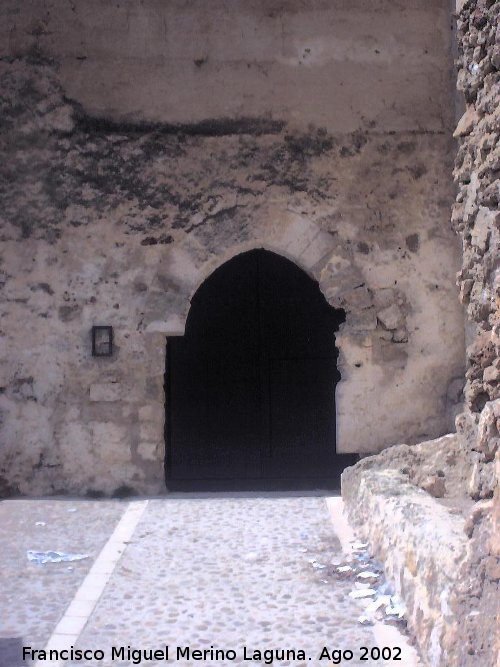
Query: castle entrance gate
x=250, y=387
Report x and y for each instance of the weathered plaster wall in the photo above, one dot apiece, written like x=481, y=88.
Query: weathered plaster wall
x=333, y=64
x=118, y=204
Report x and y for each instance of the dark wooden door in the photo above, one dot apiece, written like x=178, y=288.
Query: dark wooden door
x=251, y=384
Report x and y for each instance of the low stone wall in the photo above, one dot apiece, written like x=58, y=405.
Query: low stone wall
x=423, y=547
x=439, y=547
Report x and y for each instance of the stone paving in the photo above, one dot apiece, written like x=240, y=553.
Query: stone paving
x=222, y=572
x=33, y=597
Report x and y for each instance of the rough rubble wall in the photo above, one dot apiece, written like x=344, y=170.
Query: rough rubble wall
x=476, y=214
x=420, y=540
x=111, y=222
x=439, y=548
x=476, y=217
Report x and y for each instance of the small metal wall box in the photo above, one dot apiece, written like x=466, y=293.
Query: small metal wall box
x=102, y=341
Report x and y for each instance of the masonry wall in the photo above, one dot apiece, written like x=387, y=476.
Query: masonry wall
x=476, y=213
x=477, y=219
x=453, y=593
x=147, y=145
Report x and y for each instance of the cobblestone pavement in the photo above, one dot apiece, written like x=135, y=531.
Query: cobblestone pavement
x=222, y=572
x=34, y=597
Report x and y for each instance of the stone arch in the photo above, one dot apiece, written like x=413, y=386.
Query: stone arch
x=186, y=265
x=365, y=353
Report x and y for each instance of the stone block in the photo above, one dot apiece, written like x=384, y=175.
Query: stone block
x=386, y=296
x=359, y=298
x=477, y=513
x=105, y=392
x=491, y=374
x=460, y=5
x=434, y=485
x=400, y=336
x=75, y=446
x=466, y=123
x=483, y=224
x=151, y=430
x=148, y=451
x=342, y=279
x=495, y=57
x=488, y=439
x=362, y=320
x=60, y=119
x=298, y=235
x=146, y=412
x=391, y=317
x=110, y=442
x=317, y=249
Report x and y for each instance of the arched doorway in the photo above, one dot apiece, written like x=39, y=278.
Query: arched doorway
x=250, y=387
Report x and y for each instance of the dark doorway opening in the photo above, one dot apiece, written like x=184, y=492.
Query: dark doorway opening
x=250, y=387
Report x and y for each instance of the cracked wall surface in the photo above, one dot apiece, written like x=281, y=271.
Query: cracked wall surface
x=121, y=194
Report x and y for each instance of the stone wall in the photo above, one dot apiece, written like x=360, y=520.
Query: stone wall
x=476, y=217
x=122, y=196
x=439, y=547
x=420, y=540
x=454, y=598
